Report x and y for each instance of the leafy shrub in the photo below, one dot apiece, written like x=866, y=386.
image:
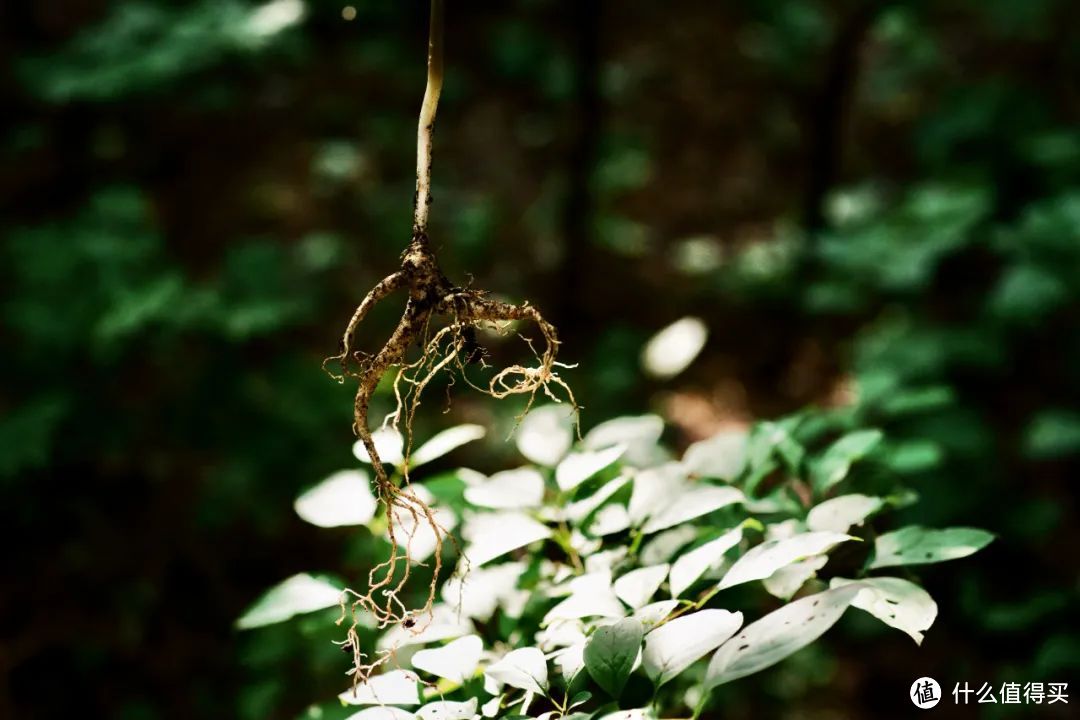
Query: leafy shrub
x=606, y=574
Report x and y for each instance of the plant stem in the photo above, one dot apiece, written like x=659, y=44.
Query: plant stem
x=427, y=120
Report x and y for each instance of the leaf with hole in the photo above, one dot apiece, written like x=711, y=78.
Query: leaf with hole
x=914, y=545
x=448, y=710
x=774, y=637
x=896, y=602
x=839, y=514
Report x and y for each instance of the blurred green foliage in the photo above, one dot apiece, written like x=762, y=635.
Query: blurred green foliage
x=873, y=206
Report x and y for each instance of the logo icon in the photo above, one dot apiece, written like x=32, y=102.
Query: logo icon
x=925, y=693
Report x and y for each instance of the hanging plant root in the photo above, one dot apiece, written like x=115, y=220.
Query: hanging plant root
x=463, y=311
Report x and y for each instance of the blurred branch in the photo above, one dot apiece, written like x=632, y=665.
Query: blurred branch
x=829, y=112
x=579, y=208
x=427, y=119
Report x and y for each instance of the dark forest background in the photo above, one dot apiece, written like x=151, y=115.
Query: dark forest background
x=874, y=204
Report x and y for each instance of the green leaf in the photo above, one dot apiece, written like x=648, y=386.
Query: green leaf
x=897, y=603
x=299, y=594
x=762, y=561
x=611, y=653
x=778, y=635
x=916, y=545
x=836, y=462
x=675, y=645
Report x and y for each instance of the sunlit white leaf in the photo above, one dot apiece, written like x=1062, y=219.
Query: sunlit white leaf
x=762, y=561
x=577, y=467
x=609, y=520
x=722, y=456
x=578, y=511
x=635, y=714
x=397, y=687
x=508, y=490
x=297, y=595
x=570, y=661
x=675, y=645
x=692, y=565
x=444, y=624
x=388, y=443
x=787, y=581
x=382, y=713
x=916, y=545
x=778, y=635
x=478, y=592
x=654, y=487
x=639, y=434
x=448, y=710
x=636, y=587
x=546, y=433
x=671, y=350
x=344, y=498
x=653, y=614
x=272, y=17
x=590, y=596
x=491, y=708
x=524, y=668
x=663, y=547
x=456, y=661
x=446, y=441
x=839, y=514
x=605, y=560
x=694, y=502
x=493, y=534
x=559, y=634
x=896, y=602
